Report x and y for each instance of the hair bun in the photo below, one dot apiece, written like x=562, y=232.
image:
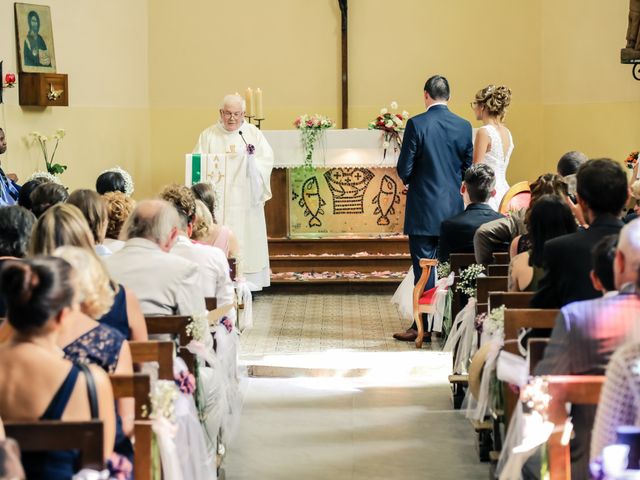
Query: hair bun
x=495, y=98
x=18, y=280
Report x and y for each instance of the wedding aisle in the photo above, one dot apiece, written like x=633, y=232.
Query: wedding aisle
x=351, y=407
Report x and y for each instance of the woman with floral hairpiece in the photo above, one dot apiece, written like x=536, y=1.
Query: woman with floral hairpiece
x=115, y=180
x=493, y=144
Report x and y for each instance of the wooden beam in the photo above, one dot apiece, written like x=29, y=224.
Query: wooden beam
x=345, y=62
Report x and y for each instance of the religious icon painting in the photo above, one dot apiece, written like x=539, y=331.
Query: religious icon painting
x=34, y=38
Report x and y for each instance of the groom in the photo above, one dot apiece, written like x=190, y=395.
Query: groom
x=436, y=151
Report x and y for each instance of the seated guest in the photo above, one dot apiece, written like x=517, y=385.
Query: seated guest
x=24, y=197
x=587, y=333
x=166, y=284
x=9, y=189
x=567, y=168
x=119, y=207
x=619, y=403
x=498, y=234
x=633, y=212
x=84, y=340
x=94, y=210
x=47, y=195
x=64, y=225
x=549, y=217
x=602, y=193
x=16, y=224
x=213, y=264
x=37, y=382
x=114, y=180
x=221, y=235
x=456, y=233
x=604, y=253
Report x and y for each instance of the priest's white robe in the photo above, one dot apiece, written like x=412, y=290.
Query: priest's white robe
x=247, y=187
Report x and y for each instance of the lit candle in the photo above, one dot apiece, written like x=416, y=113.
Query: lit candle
x=258, y=99
x=248, y=98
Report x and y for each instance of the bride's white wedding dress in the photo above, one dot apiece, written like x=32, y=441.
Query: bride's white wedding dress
x=497, y=160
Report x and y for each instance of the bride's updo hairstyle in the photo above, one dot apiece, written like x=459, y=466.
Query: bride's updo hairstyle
x=495, y=98
x=35, y=290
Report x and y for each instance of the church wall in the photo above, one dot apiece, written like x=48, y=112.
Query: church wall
x=591, y=101
x=103, y=48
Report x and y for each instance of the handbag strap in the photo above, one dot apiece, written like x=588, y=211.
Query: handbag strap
x=91, y=391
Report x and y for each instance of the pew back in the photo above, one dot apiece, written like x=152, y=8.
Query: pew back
x=154, y=351
x=175, y=325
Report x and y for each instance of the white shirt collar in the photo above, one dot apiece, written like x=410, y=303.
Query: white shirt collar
x=436, y=103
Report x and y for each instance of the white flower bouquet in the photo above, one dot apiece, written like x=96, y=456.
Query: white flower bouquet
x=41, y=140
x=467, y=280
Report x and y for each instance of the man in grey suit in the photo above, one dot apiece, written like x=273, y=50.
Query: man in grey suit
x=436, y=151
x=588, y=332
x=165, y=284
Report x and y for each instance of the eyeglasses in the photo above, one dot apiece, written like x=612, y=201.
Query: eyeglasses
x=231, y=114
x=474, y=104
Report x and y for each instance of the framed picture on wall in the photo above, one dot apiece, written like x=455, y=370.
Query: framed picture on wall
x=34, y=38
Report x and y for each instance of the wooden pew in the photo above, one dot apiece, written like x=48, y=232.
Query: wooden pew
x=509, y=299
x=210, y=303
x=233, y=268
x=51, y=435
x=137, y=386
x=497, y=270
x=154, y=351
x=485, y=285
x=514, y=320
x=536, y=349
x=501, y=258
x=174, y=325
x=575, y=389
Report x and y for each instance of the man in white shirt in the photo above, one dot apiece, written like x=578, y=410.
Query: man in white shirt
x=212, y=262
x=166, y=284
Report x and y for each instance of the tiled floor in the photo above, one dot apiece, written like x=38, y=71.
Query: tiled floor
x=380, y=410
x=311, y=323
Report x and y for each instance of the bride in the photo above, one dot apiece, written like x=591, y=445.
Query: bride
x=493, y=144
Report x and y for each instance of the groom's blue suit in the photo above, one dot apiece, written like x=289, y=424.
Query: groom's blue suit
x=436, y=150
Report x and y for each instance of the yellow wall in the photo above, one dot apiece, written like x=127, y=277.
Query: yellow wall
x=103, y=48
x=146, y=76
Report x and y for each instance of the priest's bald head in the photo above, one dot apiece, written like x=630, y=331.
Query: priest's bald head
x=232, y=112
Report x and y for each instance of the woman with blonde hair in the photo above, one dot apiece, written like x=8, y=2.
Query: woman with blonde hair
x=221, y=236
x=119, y=208
x=493, y=144
x=64, y=225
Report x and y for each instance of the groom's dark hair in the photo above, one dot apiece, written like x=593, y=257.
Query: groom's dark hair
x=438, y=88
x=480, y=180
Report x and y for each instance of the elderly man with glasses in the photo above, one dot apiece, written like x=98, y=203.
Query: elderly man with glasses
x=248, y=162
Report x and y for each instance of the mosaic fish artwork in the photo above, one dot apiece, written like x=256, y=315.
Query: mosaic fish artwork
x=385, y=199
x=312, y=202
x=348, y=187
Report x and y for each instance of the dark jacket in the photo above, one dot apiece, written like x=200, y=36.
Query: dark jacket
x=456, y=233
x=436, y=151
x=567, y=262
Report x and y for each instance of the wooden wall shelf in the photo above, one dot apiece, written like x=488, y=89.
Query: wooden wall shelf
x=44, y=89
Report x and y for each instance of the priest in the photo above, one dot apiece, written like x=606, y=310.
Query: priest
x=247, y=185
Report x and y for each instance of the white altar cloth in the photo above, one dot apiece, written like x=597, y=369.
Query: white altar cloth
x=336, y=148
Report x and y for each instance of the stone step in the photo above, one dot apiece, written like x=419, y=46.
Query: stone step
x=339, y=245
x=312, y=263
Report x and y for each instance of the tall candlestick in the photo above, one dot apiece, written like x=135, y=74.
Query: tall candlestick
x=258, y=99
x=248, y=98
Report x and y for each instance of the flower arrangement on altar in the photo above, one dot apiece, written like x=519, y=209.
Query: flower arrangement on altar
x=632, y=160
x=467, y=281
x=392, y=125
x=311, y=129
x=41, y=140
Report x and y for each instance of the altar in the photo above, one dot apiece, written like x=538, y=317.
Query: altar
x=352, y=190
